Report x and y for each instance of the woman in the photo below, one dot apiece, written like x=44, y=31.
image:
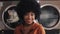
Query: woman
x=28, y=12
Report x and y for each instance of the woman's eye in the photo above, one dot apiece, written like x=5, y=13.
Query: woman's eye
x=32, y=14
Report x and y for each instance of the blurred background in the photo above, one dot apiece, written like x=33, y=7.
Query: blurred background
x=49, y=17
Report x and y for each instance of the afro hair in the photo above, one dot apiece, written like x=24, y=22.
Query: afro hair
x=25, y=6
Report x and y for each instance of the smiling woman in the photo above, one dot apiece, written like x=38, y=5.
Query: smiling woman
x=28, y=11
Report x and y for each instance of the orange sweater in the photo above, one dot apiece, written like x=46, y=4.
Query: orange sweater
x=34, y=29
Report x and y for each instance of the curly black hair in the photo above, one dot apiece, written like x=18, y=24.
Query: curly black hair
x=25, y=6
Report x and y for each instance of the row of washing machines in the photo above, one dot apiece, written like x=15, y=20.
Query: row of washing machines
x=49, y=17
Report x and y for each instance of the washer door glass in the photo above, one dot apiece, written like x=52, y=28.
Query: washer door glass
x=10, y=17
x=49, y=16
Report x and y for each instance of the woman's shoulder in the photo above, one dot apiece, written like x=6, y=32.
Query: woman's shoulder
x=40, y=28
x=37, y=25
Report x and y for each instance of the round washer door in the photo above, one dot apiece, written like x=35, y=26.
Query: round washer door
x=10, y=17
x=49, y=17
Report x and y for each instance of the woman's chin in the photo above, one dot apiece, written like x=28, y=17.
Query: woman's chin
x=29, y=22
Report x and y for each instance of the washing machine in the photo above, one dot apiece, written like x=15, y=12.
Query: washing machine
x=50, y=14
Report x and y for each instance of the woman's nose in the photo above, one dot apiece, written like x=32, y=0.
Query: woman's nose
x=29, y=17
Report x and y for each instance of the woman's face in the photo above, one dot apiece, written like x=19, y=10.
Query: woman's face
x=29, y=17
